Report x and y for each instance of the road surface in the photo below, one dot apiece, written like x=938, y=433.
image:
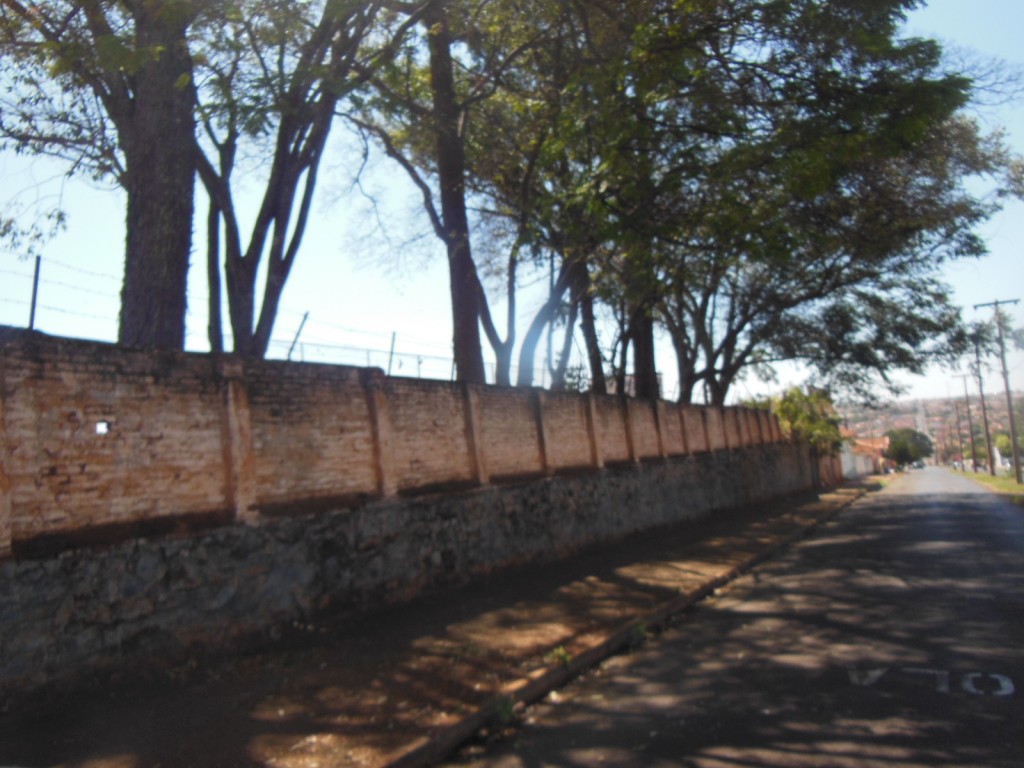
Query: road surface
x=894, y=636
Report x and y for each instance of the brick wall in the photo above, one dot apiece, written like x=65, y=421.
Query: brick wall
x=100, y=438
x=428, y=433
x=93, y=436
x=231, y=497
x=312, y=434
x=566, y=432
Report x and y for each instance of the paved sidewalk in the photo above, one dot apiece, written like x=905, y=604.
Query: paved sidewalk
x=406, y=686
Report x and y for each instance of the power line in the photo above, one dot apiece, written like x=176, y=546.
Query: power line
x=14, y=273
x=78, y=288
x=73, y=313
x=80, y=270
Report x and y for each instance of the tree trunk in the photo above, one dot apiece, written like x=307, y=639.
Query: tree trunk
x=722, y=382
x=503, y=365
x=159, y=181
x=588, y=325
x=528, y=350
x=215, y=325
x=240, y=278
x=645, y=372
x=686, y=354
x=544, y=316
x=451, y=169
x=558, y=375
x=687, y=375
x=716, y=390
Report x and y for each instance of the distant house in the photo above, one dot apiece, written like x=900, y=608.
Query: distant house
x=873, y=448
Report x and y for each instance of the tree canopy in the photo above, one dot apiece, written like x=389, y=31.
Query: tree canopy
x=907, y=446
x=809, y=416
x=759, y=180
x=272, y=77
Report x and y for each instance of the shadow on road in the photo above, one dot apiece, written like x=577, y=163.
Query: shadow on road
x=892, y=637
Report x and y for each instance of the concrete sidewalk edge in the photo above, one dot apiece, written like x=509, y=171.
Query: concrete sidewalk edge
x=431, y=749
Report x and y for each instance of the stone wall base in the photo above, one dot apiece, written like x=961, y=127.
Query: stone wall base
x=170, y=595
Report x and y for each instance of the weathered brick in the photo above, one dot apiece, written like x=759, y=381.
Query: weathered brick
x=565, y=422
x=100, y=444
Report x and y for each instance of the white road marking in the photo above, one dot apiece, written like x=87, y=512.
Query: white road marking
x=972, y=682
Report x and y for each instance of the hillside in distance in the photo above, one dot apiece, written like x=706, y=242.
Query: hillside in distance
x=942, y=419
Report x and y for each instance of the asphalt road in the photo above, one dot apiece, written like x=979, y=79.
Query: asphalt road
x=894, y=636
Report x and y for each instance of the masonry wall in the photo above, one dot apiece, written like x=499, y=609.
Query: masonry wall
x=151, y=501
x=100, y=439
x=92, y=436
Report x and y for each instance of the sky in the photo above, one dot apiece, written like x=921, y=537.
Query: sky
x=362, y=296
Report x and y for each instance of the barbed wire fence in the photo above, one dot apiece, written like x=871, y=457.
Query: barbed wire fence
x=90, y=304
x=78, y=302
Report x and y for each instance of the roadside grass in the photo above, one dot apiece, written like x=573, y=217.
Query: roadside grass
x=1001, y=484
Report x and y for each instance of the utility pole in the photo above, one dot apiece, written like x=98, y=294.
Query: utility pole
x=970, y=426
x=984, y=411
x=1006, y=383
x=960, y=439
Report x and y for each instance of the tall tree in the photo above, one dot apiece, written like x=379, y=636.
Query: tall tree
x=532, y=150
x=272, y=78
x=907, y=445
x=472, y=112
x=846, y=282
x=420, y=117
x=800, y=180
x=108, y=87
x=525, y=164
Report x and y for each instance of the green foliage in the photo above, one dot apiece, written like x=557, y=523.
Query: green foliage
x=810, y=417
x=783, y=181
x=770, y=179
x=907, y=446
x=823, y=219
x=1002, y=442
x=72, y=76
x=1005, y=484
x=976, y=448
x=558, y=655
x=26, y=234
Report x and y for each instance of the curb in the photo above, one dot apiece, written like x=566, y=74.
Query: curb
x=429, y=750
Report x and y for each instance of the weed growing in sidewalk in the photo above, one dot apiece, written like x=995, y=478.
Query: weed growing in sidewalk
x=559, y=655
